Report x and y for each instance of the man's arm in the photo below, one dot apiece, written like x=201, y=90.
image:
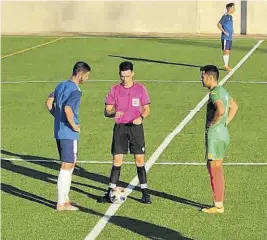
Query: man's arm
x=109, y=111
x=49, y=103
x=145, y=101
x=70, y=118
x=219, y=25
x=219, y=112
x=144, y=115
x=232, y=111
x=72, y=102
x=145, y=111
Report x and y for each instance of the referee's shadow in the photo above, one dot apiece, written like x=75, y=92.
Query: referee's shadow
x=146, y=229
x=81, y=172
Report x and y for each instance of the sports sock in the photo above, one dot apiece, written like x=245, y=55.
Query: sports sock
x=63, y=185
x=69, y=184
x=211, y=180
x=226, y=60
x=141, y=172
x=114, y=177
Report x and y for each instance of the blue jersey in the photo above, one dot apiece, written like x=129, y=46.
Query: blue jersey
x=66, y=93
x=227, y=25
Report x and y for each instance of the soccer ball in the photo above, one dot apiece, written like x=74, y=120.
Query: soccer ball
x=117, y=195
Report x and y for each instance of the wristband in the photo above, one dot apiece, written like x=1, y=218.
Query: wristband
x=52, y=111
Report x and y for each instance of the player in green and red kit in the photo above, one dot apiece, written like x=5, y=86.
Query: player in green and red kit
x=221, y=109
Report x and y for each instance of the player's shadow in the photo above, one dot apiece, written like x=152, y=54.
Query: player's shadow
x=49, y=161
x=81, y=172
x=45, y=177
x=158, y=61
x=142, y=228
x=26, y=195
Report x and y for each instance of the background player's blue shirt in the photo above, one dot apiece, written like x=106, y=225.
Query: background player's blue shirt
x=66, y=94
x=227, y=24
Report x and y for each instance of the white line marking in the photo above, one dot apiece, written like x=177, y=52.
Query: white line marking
x=31, y=48
x=114, y=207
x=119, y=36
x=133, y=163
x=154, y=81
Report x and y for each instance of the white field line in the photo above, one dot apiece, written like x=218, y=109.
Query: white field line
x=153, y=81
x=114, y=207
x=31, y=48
x=113, y=36
x=133, y=163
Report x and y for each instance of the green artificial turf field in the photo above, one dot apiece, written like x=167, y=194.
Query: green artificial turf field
x=178, y=192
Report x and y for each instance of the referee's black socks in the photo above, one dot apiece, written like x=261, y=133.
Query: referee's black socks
x=114, y=177
x=141, y=172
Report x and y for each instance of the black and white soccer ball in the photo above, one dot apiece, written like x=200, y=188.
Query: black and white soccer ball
x=117, y=195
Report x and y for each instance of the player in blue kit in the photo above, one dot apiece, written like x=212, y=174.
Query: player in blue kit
x=226, y=27
x=63, y=104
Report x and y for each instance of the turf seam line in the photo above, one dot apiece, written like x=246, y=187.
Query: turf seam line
x=133, y=163
x=93, y=234
x=31, y=48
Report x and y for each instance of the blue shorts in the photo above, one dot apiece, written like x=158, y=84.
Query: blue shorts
x=67, y=150
x=226, y=44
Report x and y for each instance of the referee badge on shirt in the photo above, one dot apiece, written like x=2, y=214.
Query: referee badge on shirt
x=135, y=102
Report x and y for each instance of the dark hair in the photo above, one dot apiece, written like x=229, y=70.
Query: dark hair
x=125, y=66
x=80, y=67
x=211, y=70
x=229, y=5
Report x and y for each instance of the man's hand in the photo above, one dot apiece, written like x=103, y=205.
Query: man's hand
x=219, y=25
x=70, y=118
x=118, y=114
x=76, y=128
x=109, y=111
x=137, y=121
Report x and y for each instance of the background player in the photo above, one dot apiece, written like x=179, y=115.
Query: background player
x=221, y=109
x=226, y=27
x=64, y=104
x=128, y=102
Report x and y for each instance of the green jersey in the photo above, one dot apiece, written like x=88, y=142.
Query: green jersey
x=217, y=93
x=217, y=136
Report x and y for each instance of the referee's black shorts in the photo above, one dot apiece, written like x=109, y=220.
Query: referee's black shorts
x=128, y=137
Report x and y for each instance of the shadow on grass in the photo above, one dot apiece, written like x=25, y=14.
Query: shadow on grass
x=81, y=172
x=215, y=44
x=146, y=229
x=158, y=61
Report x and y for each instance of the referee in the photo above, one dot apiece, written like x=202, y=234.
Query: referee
x=128, y=103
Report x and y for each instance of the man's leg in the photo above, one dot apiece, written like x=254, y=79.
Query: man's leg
x=68, y=155
x=226, y=53
x=137, y=147
x=119, y=147
x=216, y=150
x=115, y=171
x=142, y=176
x=215, y=168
